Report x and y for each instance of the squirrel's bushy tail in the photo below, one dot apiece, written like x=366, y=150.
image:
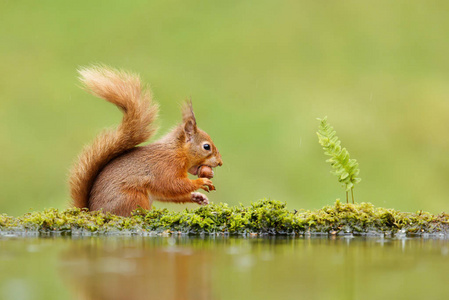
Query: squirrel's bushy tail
x=139, y=112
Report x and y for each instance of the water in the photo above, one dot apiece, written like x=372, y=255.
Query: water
x=223, y=268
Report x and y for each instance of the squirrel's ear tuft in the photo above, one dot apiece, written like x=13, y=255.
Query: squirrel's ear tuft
x=187, y=112
x=188, y=118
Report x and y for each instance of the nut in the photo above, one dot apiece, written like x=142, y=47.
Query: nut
x=205, y=172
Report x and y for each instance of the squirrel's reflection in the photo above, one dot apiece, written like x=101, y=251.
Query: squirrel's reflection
x=137, y=268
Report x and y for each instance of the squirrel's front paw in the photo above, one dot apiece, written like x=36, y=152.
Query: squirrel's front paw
x=199, y=198
x=206, y=184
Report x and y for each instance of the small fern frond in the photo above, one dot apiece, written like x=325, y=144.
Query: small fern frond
x=344, y=167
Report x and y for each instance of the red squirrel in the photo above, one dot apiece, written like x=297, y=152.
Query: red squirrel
x=115, y=175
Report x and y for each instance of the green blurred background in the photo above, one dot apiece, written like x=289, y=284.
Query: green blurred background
x=259, y=74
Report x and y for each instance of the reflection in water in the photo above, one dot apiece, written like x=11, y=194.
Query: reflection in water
x=223, y=268
x=137, y=269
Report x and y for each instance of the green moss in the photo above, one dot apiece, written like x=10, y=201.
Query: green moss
x=261, y=217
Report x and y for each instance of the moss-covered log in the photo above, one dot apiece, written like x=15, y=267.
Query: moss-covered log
x=260, y=218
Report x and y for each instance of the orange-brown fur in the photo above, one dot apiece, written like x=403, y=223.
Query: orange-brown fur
x=114, y=175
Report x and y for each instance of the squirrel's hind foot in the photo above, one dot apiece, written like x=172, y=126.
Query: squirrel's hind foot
x=199, y=198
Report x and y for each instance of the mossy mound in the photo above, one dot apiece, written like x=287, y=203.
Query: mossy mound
x=260, y=218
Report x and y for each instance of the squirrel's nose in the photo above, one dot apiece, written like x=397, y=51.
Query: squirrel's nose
x=220, y=161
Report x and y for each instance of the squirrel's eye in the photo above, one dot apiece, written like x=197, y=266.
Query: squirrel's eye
x=206, y=147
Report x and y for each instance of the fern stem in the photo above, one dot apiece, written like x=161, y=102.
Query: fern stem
x=352, y=194
x=347, y=200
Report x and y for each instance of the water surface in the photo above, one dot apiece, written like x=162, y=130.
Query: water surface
x=223, y=268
